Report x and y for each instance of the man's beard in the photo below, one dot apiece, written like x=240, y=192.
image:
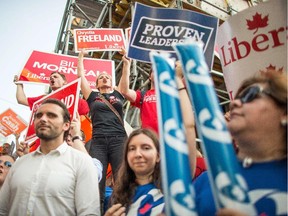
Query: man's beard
x=46, y=137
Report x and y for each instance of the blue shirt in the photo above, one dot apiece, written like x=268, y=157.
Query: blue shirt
x=267, y=183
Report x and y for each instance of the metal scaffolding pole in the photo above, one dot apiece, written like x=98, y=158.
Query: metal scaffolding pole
x=102, y=16
x=68, y=27
x=62, y=27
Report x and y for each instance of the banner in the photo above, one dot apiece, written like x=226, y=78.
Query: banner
x=41, y=64
x=68, y=94
x=177, y=183
x=102, y=39
x=159, y=28
x=252, y=40
x=223, y=168
x=11, y=123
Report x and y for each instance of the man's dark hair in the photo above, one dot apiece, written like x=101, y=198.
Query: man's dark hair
x=61, y=74
x=66, y=114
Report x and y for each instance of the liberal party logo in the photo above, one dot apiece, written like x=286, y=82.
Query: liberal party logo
x=161, y=34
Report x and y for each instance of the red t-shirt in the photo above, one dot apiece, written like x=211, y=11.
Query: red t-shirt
x=148, y=109
x=83, y=108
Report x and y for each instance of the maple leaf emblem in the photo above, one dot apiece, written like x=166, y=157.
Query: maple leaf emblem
x=257, y=22
x=272, y=68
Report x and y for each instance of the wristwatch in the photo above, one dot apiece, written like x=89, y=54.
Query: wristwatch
x=77, y=137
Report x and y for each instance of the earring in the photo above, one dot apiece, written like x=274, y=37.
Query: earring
x=284, y=122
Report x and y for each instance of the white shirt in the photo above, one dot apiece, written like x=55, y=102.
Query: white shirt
x=63, y=182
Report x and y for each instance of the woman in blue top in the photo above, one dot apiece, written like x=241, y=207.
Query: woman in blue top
x=137, y=189
x=258, y=125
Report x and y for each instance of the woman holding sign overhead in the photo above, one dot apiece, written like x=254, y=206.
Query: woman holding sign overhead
x=258, y=124
x=106, y=109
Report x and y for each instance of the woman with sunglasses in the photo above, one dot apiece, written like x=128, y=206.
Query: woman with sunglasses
x=6, y=161
x=258, y=124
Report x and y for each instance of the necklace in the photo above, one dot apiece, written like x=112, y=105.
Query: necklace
x=247, y=162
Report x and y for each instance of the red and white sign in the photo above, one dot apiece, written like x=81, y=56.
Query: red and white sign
x=99, y=39
x=41, y=64
x=252, y=40
x=127, y=35
x=11, y=123
x=68, y=94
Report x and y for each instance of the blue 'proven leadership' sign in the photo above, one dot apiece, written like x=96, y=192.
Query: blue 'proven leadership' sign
x=160, y=28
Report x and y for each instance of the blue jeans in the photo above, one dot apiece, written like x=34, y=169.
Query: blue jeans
x=107, y=149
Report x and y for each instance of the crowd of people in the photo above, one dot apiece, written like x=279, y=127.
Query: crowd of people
x=62, y=178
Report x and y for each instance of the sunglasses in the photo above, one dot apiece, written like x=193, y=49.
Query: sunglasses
x=8, y=164
x=251, y=93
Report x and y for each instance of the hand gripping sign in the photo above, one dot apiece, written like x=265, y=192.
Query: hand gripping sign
x=178, y=189
x=229, y=186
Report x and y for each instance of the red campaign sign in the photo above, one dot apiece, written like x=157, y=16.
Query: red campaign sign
x=4, y=131
x=41, y=64
x=11, y=123
x=68, y=94
x=99, y=39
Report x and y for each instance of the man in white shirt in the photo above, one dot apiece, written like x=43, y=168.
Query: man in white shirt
x=55, y=179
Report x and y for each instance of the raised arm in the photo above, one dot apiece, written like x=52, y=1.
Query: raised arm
x=123, y=86
x=75, y=131
x=85, y=87
x=20, y=94
x=188, y=118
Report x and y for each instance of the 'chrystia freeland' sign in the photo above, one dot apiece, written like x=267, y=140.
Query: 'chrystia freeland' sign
x=159, y=28
x=99, y=39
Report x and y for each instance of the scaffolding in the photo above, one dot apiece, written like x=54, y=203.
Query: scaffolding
x=117, y=14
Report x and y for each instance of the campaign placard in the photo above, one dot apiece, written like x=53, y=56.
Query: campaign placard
x=11, y=123
x=252, y=40
x=4, y=131
x=40, y=65
x=177, y=183
x=159, y=28
x=216, y=142
x=100, y=39
x=68, y=94
x=127, y=35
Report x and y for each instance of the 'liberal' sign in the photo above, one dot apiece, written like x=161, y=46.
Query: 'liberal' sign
x=40, y=65
x=68, y=94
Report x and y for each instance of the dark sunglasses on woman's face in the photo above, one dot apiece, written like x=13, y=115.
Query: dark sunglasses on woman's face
x=251, y=93
x=8, y=164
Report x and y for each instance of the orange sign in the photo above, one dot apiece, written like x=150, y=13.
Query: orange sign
x=11, y=123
